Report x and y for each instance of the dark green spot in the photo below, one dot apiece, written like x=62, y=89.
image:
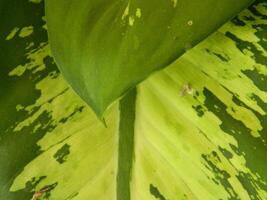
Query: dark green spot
x=199, y=109
x=260, y=80
x=156, y=193
x=62, y=153
x=238, y=22
x=227, y=154
x=77, y=110
x=222, y=57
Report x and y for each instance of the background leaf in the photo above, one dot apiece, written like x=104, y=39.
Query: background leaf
x=49, y=138
x=106, y=47
x=207, y=140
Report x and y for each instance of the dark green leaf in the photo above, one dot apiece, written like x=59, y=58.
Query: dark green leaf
x=106, y=47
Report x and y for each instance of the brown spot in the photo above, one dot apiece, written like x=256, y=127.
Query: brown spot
x=186, y=89
x=39, y=193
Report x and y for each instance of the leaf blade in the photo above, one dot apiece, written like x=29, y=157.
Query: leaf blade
x=211, y=140
x=113, y=45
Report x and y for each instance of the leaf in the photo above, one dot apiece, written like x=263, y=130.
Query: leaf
x=209, y=143
x=45, y=128
x=200, y=126
x=105, y=47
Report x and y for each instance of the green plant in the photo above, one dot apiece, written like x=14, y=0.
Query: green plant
x=197, y=127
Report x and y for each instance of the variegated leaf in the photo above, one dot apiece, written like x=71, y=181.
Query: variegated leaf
x=200, y=125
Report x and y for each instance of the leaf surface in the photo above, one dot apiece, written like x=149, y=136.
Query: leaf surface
x=200, y=130
x=106, y=47
x=50, y=140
